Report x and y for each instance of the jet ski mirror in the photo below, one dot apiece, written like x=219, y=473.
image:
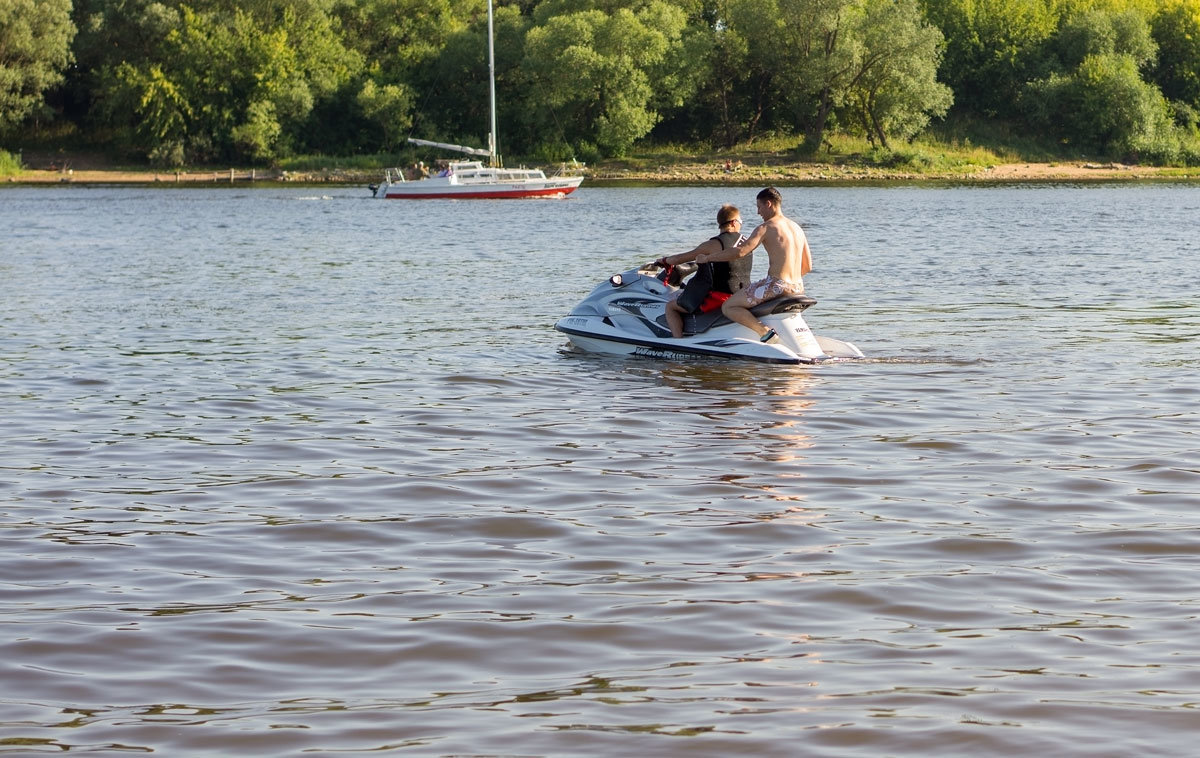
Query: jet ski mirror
x=616, y=280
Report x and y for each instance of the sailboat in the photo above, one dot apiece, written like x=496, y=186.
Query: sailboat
x=471, y=178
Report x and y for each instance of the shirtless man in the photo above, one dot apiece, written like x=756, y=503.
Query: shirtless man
x=789, y=259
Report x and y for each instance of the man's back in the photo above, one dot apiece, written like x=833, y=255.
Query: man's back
x=787, y=249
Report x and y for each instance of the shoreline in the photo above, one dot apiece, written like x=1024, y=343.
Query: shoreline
x=695, y=173
x=838, y=174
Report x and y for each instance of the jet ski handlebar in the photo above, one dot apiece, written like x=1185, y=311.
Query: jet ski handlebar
x=672, y=275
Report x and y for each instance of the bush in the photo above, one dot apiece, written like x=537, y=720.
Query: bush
x=10, y=165
x=899, y=158
x=1105, y=106
x=1189, y=149
x=552, y=151
x=1187, y=117
x=168, y=154
x=588, y=153
x=1160, y=149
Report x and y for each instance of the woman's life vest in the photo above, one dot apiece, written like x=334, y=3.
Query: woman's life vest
x=731, y=276
x=714, y=282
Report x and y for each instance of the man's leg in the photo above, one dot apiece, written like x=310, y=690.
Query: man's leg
x=737, y=308
x=675, y=319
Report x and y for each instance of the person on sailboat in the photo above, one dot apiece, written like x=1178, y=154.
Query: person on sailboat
x=709, y=287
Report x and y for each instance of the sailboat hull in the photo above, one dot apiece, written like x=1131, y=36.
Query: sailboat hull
x=438, y=187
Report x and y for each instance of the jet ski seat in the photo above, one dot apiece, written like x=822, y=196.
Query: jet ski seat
x=701, y=322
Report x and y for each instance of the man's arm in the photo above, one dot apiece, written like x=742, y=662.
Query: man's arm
x=744, y=248
x=674, y=260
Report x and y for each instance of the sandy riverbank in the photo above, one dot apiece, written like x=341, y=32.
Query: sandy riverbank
x=817, y=173
x=125, y=176
x=675, y=174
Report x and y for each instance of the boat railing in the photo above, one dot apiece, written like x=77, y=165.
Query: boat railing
x=571, y=169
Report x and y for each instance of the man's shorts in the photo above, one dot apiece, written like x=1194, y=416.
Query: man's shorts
x=771, y=288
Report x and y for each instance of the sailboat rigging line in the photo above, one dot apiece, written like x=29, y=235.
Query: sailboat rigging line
x=562, y=133
x=437, y=79
x=493, y=148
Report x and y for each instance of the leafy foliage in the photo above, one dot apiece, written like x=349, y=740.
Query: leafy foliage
x=10, y=164
x=35, y=38
x=177, y=81
x=1104, y=106
x=608, y=73
x=1176, y=29
x=896, y=90
x=226, y=83
x=992, y=48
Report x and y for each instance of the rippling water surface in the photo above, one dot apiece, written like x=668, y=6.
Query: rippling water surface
x=297, y=471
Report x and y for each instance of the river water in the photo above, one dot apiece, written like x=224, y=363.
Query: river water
x=295, y=471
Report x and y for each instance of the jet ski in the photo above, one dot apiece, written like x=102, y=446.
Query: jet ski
x=626, y=315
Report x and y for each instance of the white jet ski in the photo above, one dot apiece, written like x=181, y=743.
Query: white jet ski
x=627, y=316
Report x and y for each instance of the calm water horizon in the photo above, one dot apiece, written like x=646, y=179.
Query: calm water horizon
x=293, y=470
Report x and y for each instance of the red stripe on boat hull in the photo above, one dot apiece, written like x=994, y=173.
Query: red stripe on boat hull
x=484, y=194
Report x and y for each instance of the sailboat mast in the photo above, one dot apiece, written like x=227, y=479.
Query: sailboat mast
x=492, y=146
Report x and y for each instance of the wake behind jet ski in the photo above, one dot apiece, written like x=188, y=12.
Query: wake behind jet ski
x=626, y=315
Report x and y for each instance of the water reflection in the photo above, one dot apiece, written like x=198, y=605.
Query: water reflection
x=733, y=386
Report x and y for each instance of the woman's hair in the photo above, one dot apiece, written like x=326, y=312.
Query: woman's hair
x=726, y=214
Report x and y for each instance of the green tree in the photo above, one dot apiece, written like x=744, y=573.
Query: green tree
x=1097, y=100
x=824, y=61
x=389, y=107
x=163, y=111
x=1105, y=106
x=607, y=72
x=112, y=33
x=726, y=103
x=993, y=47
x=1176, y=30
x=737, y=57
x=228, y=83
x=392, y=42
x=876, y=60
x=397, y=37
x=35, y=39
x=896, y=90
x=1100, y=32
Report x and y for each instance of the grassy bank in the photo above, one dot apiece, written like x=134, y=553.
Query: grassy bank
x=10, y=165
x=849, y=160
x=951, y=154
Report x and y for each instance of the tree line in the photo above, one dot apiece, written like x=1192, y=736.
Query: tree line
x=255, y=81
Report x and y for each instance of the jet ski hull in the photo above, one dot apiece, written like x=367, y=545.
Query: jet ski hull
x=626, y=316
